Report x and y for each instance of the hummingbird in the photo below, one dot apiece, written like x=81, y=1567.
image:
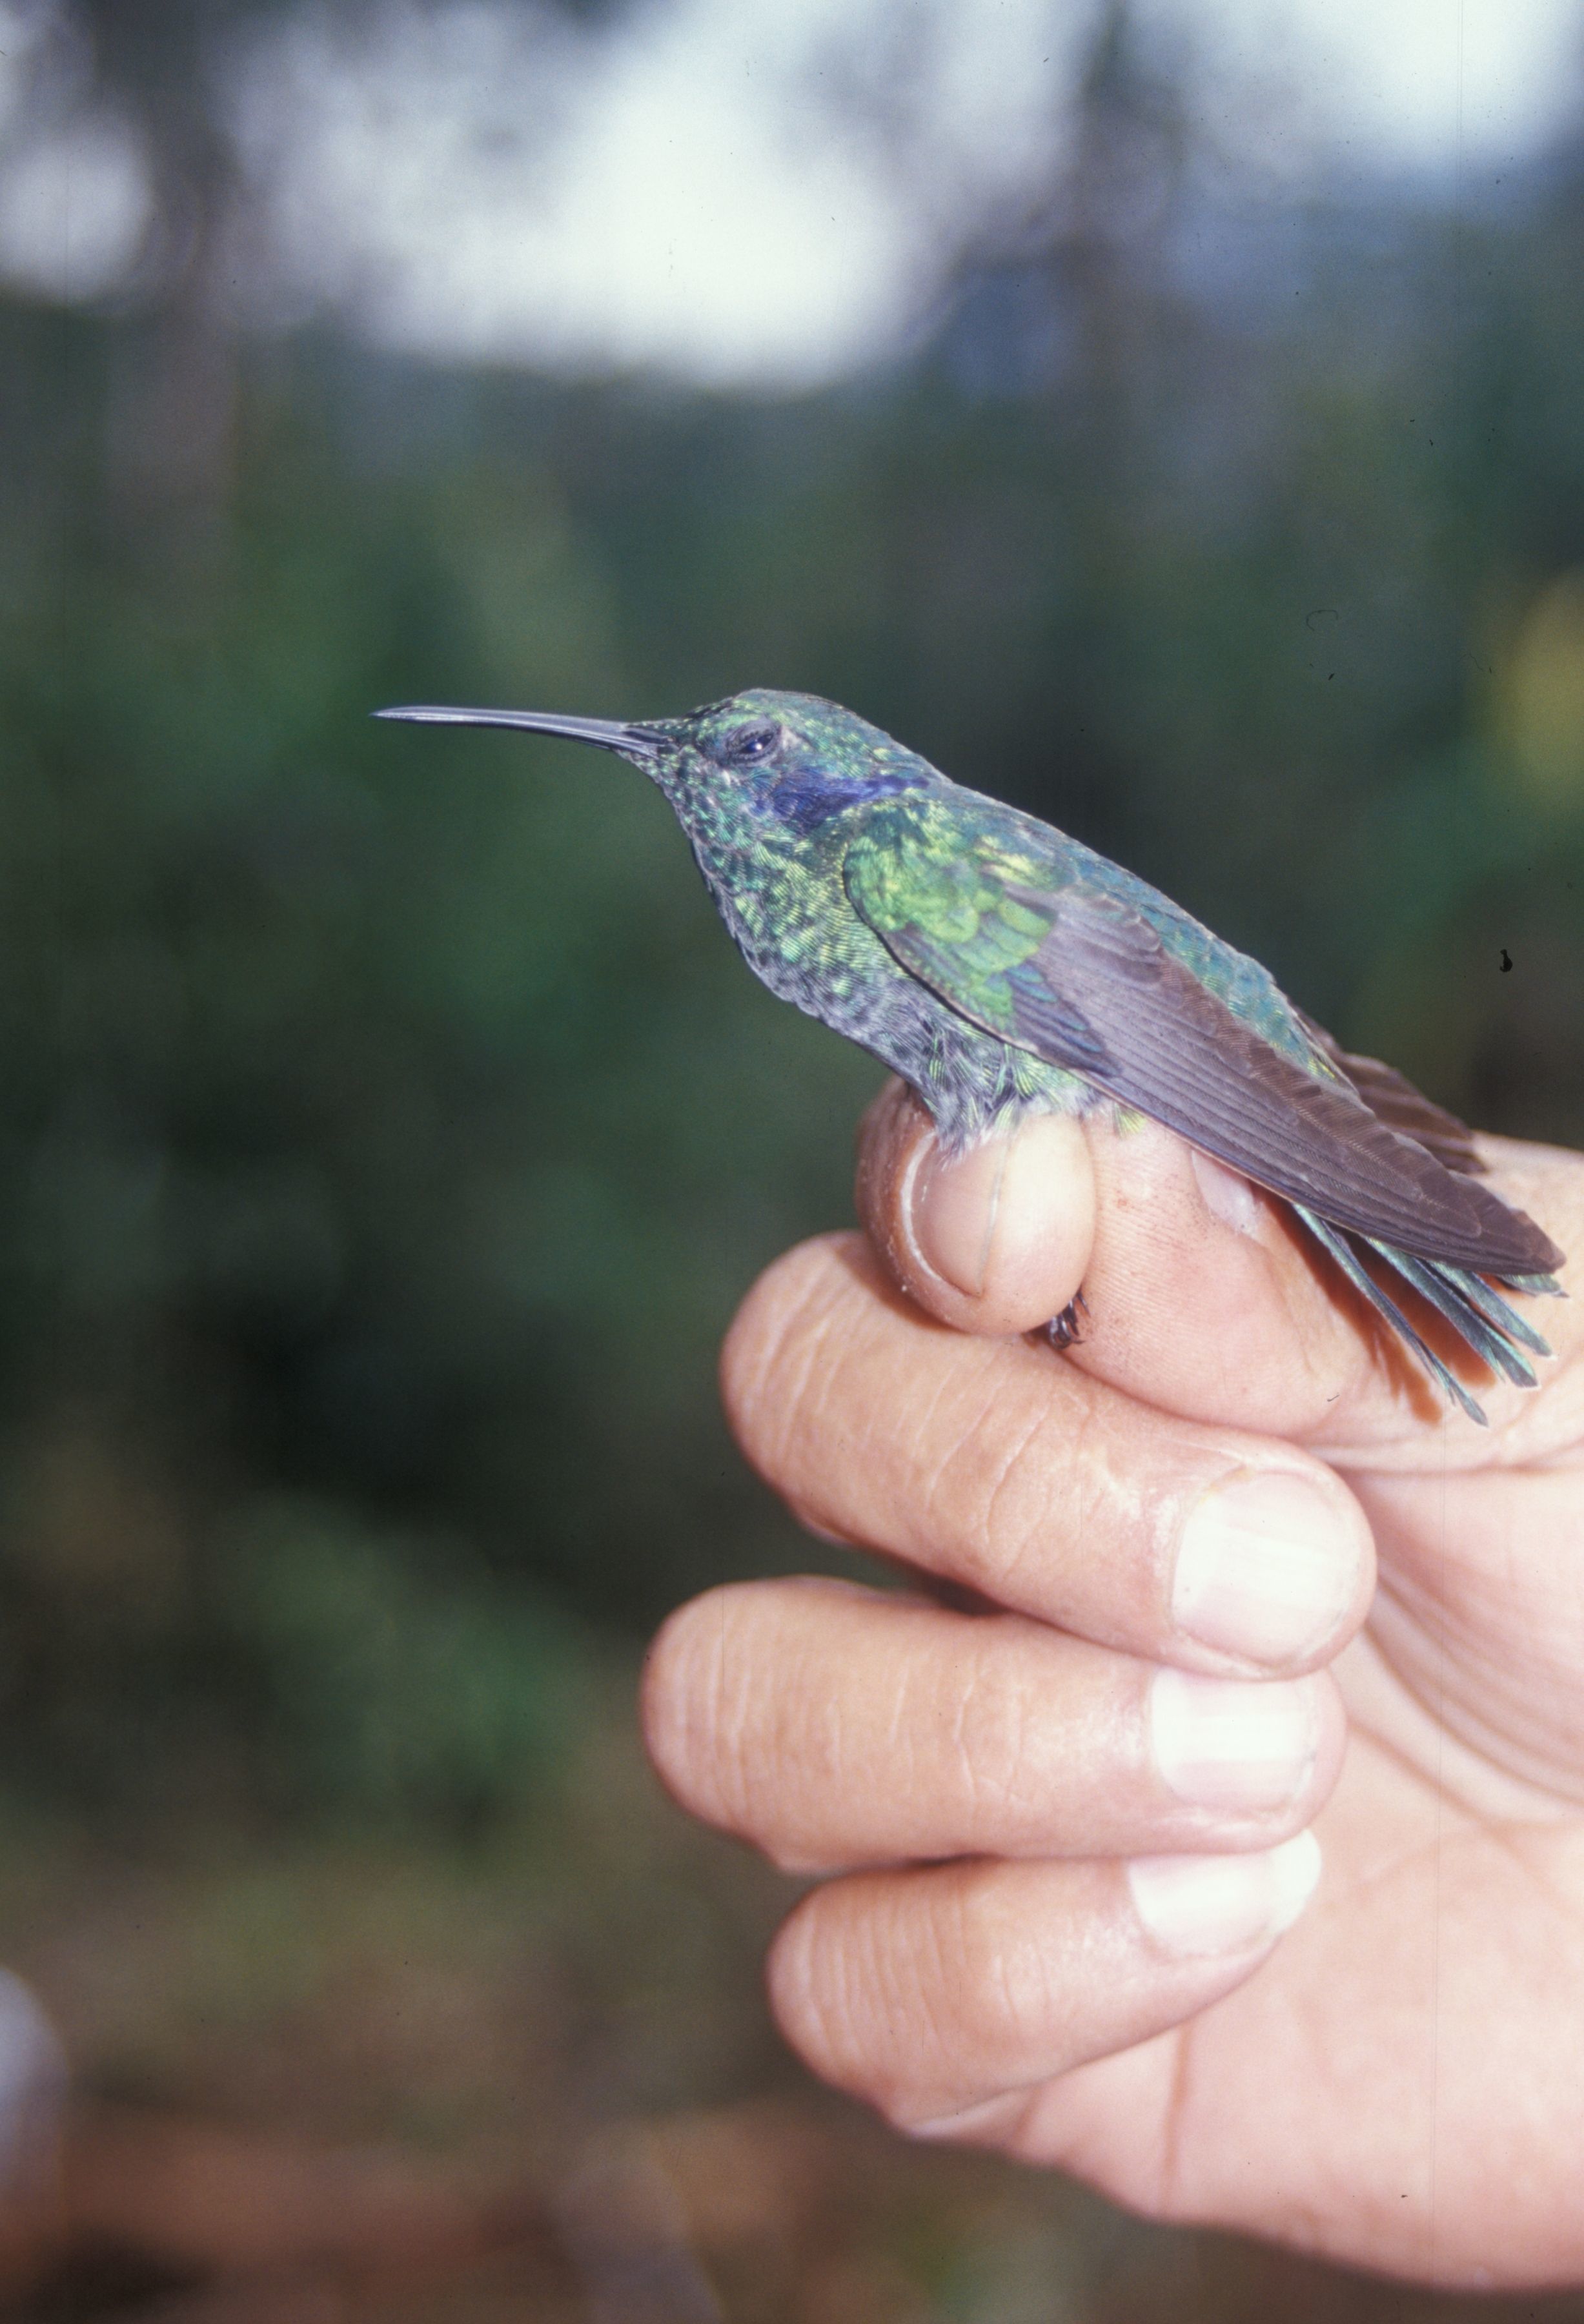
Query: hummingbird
x=1004, y=970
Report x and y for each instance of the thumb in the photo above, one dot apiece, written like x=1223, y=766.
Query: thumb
x=996, y=1241
x=1203, y=1297
x=1200, y=1298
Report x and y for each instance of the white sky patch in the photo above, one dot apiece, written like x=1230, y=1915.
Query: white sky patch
x=691, y=194
x=763, y=193
x=74, y=208
x=74, y=200
x=1435, y=86
x=499, y=188
x=769, y=192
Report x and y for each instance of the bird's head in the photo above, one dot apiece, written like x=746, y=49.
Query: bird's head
x=761, y=762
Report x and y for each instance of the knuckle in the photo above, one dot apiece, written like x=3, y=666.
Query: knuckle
x=995, y=1729
x=989, y=1492
x=773, y=1353
x=1033, y=1483
x=997, y=1975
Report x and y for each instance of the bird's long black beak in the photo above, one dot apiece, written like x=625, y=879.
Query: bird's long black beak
x=633, y=742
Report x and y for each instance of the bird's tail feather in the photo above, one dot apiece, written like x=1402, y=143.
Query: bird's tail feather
x=1495, y=1308
x=1475, y=1308
x=1491, y=1341
x=1340, y=1249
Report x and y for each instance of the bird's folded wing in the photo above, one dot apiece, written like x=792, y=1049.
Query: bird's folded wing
x=1083, y=979
x=1392, y=1097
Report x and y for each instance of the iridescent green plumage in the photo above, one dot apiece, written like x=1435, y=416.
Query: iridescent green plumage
x=1004, y=969
x=968, y=901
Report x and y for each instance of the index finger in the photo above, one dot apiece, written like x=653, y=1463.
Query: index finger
x=991, y=1465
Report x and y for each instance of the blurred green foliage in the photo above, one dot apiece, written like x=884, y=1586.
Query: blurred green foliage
x=388, y=1129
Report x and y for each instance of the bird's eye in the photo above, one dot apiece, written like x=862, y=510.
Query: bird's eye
x=751, y=744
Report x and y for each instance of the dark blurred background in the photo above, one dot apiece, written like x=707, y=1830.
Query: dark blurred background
x=388, y=1130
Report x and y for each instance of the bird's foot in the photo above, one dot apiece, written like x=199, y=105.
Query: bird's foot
x=1062, y=1330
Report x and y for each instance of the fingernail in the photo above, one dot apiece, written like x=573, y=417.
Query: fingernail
x=1233, y=1743
x=954, y=1211
x=1266, y=1568
x=1225, y=1196
x=1197, y=1905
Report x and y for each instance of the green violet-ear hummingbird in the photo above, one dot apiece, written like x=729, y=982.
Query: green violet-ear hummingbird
x=1004, y=970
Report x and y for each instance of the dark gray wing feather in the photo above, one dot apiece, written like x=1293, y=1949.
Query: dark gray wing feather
x=1393, y=1099
x=1174, y=1051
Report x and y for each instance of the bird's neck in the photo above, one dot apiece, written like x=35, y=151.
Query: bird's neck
x=779, y=892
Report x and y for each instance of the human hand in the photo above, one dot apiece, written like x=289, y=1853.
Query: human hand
x=1060, y=1792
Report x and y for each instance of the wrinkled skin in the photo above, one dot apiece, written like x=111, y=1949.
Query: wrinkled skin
x=1051, y=1790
